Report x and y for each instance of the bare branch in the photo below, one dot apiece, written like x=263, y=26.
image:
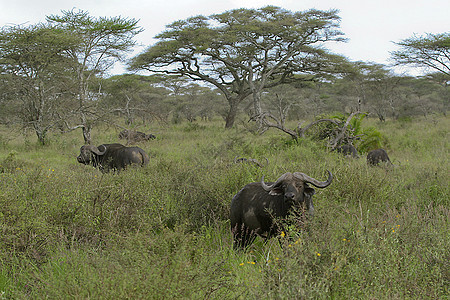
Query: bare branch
x=343, y=130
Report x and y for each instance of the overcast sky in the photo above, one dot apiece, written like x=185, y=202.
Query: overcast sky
x=370, y=26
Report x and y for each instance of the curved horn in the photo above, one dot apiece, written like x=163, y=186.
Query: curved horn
x=269, y=187
x=266, y=187
x=313, y=181
x=96, y=150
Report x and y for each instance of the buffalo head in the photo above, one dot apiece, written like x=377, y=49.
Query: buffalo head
x=88, y=154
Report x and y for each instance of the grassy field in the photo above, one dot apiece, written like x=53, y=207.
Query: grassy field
x=162, y=231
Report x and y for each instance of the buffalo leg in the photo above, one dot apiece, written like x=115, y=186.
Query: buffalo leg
x=242, y=236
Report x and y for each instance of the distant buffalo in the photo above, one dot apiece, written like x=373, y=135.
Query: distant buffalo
x=348, y=150
x=377, y=156
x=256, y=205
x=135, y=136
x=108, y=157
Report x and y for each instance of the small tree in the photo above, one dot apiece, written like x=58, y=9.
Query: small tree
x=135, y=96
x=382, y=91
x=101, y=42
x=34, y=58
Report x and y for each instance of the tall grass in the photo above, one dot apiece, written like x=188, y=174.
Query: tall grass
x=162, y=231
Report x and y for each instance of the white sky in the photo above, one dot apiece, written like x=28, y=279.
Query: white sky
x=371, y=26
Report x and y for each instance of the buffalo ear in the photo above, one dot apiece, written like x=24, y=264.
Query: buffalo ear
x=276, y=192
x=309, y=191
x=102, y=148
x=97, y=150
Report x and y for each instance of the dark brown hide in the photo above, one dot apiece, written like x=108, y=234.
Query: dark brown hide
x=377, y=156
x=255, y=206
x=112, y=156
x=135, y=136
x=348, y=150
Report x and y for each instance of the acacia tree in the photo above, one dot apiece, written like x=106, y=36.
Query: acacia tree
x=431, y=50
x=381, y=87
x=101, y=42
x=243, y=51
x=135, y=96
x=34, y=59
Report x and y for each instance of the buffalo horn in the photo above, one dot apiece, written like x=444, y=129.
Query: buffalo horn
x=96, y=150
x=313, y=181
x=268, y=188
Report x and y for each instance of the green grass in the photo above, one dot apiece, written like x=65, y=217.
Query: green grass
x=162, y=231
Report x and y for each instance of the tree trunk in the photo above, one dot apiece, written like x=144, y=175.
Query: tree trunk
x=87, y=134
x=41, y=136
x=232, y=112
x=257, y=103
x=231, y=116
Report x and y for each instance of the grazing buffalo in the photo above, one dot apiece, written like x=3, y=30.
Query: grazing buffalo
x=112, y=156
x=377, y=156
x=348, y=150
x=255, y=206
x=135, y=136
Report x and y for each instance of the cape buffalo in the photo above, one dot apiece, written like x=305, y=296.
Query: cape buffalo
x=255, y=206
x=112, y=156
x=374, y=157
x=135, y=136
x=348, y=150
